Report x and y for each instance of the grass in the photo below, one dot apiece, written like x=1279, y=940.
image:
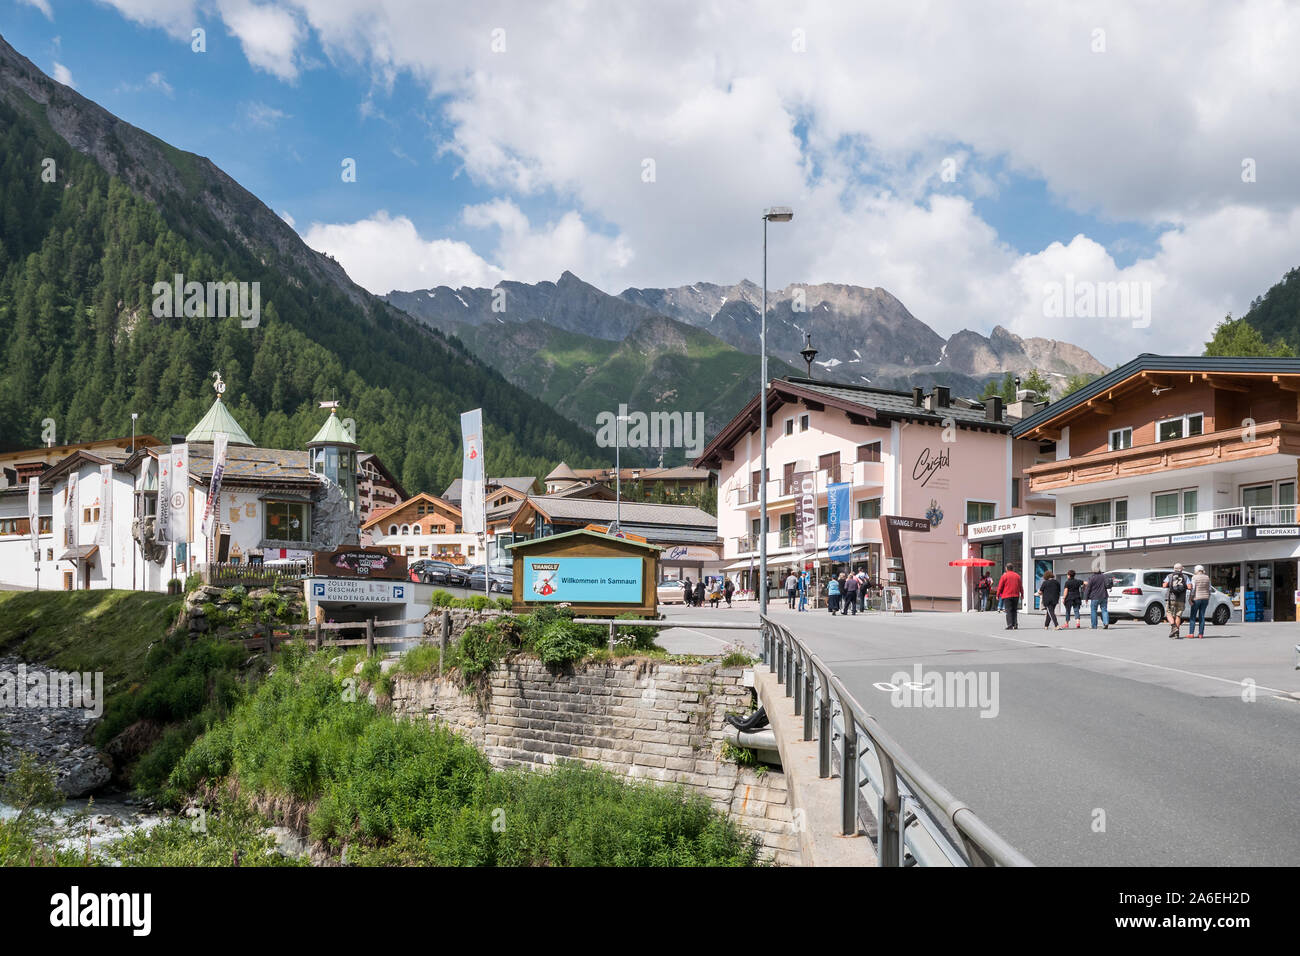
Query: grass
x=398, y=792
x=105, y=631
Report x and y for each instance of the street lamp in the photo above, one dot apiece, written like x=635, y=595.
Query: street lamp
x=775, y=214
x=617, y=529
x=134, y=416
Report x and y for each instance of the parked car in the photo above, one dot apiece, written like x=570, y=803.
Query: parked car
x=500, y=581
x=671, y=592
x=1139, y=593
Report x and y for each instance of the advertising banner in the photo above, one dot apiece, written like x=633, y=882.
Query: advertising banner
x=583, y=580
x=105, y=505
x=180, y=493
x=473, y=519
x=70, y=516
x=212, y=506
x=839, y=527
x=360, y=563
x=805, y=514
x=34, y=513
x=163, y=523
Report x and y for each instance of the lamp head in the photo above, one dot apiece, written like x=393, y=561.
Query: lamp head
x=779, y=214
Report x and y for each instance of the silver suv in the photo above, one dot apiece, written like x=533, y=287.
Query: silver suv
x=1139, y=593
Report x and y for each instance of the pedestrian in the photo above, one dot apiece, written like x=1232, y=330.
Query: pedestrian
x=1009, y=592
x=1200, y=593
x=1098, y=595
x=1072, y=591
x=728, y=589
x=833, y=595
x=982, y=591
x=1175, y=600
x=699, y=593
x=688, y=593
x=862, y=589
x=851, y=585
x=1050, y=592
x=791, y=589
x=803, y=591
x=715, y=591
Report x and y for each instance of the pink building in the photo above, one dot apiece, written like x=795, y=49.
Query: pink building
x=906, y=454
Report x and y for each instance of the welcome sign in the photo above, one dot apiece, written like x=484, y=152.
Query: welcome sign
x=583, y=580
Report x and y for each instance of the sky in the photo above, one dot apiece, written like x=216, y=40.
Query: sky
x=1116, y=175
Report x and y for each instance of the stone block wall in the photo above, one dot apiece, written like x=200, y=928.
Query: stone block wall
x=646, y=719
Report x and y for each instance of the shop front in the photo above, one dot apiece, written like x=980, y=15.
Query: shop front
x=1003, y=541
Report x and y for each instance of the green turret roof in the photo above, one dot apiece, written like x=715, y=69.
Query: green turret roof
x=332, y=433
x=219, y=419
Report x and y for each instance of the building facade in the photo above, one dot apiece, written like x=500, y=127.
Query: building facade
x=424, y=526
x=1177, y=458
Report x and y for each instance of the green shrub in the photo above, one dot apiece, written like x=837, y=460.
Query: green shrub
x=420, y=661
x=505, y=603
x=561, y=643
x=193, y=582
x=31, y=785
x=441, y=598
x=478, y=649
x=737, y=658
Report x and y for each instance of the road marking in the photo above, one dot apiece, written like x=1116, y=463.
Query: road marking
x=1129, y=660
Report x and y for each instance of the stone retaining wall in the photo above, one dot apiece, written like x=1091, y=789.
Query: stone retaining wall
x=646, y=719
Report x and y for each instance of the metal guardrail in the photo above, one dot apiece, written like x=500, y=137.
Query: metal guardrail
x=909, y=802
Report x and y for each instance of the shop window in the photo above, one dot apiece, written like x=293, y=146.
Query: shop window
x=287, y=521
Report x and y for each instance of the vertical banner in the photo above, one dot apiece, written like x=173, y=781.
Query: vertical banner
x=70, y=516
x=805, y=515
x=212, y=508
x=473, y=518
x=180, y=493
x=105, y=505
x=839, y=528
x=163, y=522
x=34, y=514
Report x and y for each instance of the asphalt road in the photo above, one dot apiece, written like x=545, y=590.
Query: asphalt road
x=1112, y=747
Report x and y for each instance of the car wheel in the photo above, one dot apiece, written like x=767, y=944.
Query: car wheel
x=1221, y=614
x=1155, y=613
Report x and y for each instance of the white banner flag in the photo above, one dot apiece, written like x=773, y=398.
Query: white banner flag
x=180, y=493
x=163, y=523
x=70, y=516
x=212, y=509
x=34, y=513
x=473, y=519
x=105, y=505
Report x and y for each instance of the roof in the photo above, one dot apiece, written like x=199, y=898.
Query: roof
x=118, y=457
x=592, y=489
x=584, y=532
x=562, y=472
x=522, y=484
x=422, y=496
x=1147, y=362
x=251, y=465
x=370, y=458
x=218, y=419
x=679, y=473
x=59, y=452
x=565, y=508
x=332, y=433
x=863, y=404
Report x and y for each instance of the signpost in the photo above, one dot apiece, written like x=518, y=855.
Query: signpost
x=890, y=527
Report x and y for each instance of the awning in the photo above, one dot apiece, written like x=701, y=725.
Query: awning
x=783, y=559
x=79, y=553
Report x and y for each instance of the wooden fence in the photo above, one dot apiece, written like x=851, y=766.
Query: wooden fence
x=268, y=636
x=229, y=575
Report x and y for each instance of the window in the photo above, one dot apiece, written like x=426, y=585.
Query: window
x=1259, y=496
x=415, y=529
x=1121, y=438
x=1175, y=504
x=977, y=511
x=89, y=515
x=1090, y=513
x=406, y=529
x=804, y=421
x=287, y=521
x=869, y=508
x=1185, y=426
x=1015, y=492
x=789, y=426
x=869, y=451
x=392, y=529
x=424, y=550
x=823, y=515
x=831, y=465
x=410, y=552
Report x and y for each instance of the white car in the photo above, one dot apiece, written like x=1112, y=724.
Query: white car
x=1139, y=593
x=670, y=592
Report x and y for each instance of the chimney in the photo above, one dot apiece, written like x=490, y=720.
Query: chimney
x=942, y=395
x=916, y=396
x=993, y=409
x=178, y=439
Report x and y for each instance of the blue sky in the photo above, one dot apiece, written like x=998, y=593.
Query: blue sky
x=511, y=141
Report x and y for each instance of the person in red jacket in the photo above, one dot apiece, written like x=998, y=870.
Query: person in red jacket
x=1010, y=591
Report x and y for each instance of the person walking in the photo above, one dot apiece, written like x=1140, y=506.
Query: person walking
x=699, y=593
x=803, y=591
x=1098, y=595
x=1009, y=592
x=1175, y=600
x=688, y=593
x=982, y=591
x=1050, y=592
x=851, y=585
x=1200, y=589
x=728, y=589
x=1072, y=598
x=833, y=595
x=791, y=589
x=862, y=589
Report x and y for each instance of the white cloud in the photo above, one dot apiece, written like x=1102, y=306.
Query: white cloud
x=269, y=35
x=382, y=254
x=177, y=17
x=41, y=5
x=260, y=115
x=159, y=82
x=63, y=75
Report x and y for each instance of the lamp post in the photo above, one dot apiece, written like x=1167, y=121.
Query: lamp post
x=617, y=528
x=775, y=214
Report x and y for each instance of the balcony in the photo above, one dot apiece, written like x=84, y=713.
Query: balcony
x=1173, y=524
x=1219, y=447
x=859, y=474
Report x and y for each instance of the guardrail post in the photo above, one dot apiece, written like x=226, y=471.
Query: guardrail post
x=824, y=733
x=780, y=661
x=771, y=657
x=849, y=776
x=370, y=637
x=889, y=844
x=611, y=637
x=796, y=685
x=808, y=702
x=790, y=654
